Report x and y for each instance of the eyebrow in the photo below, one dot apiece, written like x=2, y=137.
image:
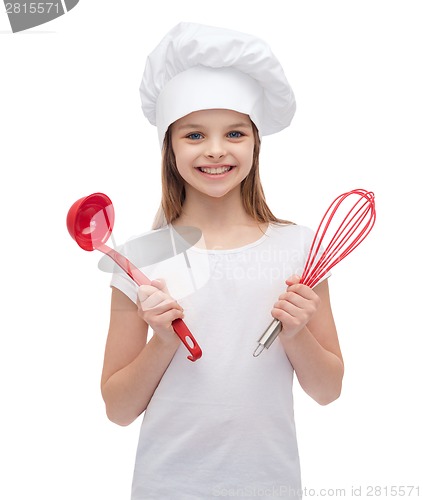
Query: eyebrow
x=197, y=126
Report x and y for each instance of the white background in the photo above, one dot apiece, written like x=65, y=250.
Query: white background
x=71, y=124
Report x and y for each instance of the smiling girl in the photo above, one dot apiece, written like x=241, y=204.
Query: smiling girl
x=224, y=425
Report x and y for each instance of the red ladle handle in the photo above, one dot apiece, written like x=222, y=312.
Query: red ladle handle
x=181, y=329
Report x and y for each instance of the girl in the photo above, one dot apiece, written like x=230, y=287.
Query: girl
x=222, y=426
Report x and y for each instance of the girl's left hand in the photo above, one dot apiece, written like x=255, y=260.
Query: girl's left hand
x=295, y=307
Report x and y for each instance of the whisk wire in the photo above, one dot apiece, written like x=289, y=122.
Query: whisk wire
x=347, y=228
x=353, y=229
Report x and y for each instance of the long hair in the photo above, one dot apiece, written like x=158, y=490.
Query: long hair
x=173, y=189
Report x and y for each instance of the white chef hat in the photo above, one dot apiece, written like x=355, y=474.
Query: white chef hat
x=198, y=67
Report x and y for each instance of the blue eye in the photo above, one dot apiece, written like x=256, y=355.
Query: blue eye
x=194, y=137
x=235, y=135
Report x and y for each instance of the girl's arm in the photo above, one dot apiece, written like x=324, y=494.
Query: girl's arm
x=310, y=339
x=132, y=367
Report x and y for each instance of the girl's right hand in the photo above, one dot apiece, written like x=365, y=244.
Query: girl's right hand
x=157, y=308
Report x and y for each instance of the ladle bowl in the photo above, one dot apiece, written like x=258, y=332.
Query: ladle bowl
x=90, y=222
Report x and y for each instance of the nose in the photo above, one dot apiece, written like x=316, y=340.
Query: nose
x=215, y=149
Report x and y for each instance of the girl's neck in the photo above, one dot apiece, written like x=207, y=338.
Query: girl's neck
x=209, y=214
x=223, y=221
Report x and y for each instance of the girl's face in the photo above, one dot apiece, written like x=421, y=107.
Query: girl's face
x=213, y=150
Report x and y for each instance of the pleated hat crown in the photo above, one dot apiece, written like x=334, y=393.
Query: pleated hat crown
x=197, y=67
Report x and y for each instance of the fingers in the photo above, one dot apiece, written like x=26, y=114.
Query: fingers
x=151, y=297
x=296, y=306
x=161, y=285
x=158, y=308
x=296, y=291
x=145, y=291
x=298, y=297
x=293, y=280
x=165, y=319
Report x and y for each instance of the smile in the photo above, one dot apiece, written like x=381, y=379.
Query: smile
x=215, y=170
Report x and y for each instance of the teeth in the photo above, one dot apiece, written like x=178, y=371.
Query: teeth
x=218, y=170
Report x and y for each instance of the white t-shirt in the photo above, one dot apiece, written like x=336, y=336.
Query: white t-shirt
x=224, y=425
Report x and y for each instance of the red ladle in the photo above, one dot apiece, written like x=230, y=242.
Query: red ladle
x=90, y=223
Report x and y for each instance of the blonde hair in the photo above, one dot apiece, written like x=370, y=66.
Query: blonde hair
x=173, y=189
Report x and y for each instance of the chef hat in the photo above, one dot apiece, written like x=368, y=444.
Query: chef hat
x=198, y=67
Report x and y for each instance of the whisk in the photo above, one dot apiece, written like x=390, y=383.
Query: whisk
x=354, y=228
